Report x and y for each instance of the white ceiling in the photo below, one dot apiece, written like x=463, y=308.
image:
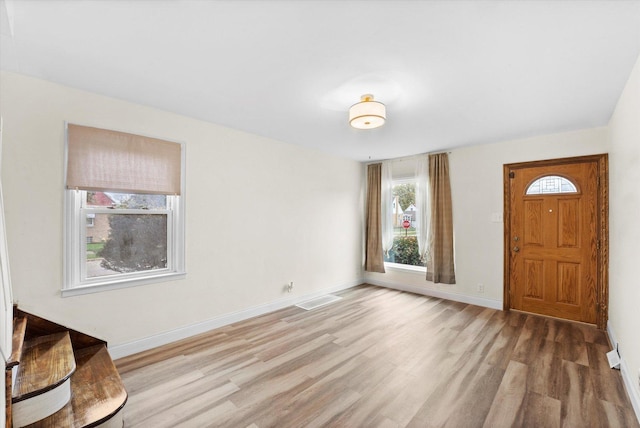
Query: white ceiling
x=452, y=73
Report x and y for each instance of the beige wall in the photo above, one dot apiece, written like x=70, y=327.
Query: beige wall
x=477, y=189
x=624, y=227
x=260, y=213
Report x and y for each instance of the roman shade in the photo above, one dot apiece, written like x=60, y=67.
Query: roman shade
x=104, y=160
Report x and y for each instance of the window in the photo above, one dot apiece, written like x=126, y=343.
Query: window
x=133, y=234
x=404, y=198
x=551, y=184
x=405, y=248
x=128, y=239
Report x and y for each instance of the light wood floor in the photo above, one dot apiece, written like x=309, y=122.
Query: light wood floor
x=381, y=358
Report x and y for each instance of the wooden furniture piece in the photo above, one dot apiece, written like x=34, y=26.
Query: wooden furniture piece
x=59, y=377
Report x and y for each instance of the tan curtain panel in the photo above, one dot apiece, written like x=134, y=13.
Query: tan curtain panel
x=99, y=159
x=440, y=263
x=374, y=261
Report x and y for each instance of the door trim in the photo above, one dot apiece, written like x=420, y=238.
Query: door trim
x=602, y=280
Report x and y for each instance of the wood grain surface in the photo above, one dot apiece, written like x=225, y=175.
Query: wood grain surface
x=97, y=392
x=46, y=362
x=17, y=341
x=381, y=358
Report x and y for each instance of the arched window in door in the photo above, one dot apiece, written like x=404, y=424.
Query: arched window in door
x=551, y=184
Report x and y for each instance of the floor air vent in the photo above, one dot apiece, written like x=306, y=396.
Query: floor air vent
x=318, y=301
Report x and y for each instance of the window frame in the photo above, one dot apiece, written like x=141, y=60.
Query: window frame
x=75, y=279
x=399, y=266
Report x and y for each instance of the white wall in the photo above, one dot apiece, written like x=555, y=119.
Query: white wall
x=477, y=193
x=260, y=213
x=6, y=317
x=624, y=231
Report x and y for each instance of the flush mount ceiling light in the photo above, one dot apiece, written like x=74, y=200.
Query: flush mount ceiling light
x=367, y=114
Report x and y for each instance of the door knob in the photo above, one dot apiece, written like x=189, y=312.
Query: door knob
x=516, y=249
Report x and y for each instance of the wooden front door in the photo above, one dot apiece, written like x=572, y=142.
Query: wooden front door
x=554, y=243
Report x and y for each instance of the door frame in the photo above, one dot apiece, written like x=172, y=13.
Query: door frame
x=602, y=277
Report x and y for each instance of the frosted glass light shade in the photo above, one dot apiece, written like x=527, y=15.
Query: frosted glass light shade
x=367, y=114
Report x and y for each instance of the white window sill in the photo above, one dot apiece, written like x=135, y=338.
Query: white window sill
x=406, y=268
x=122, y=283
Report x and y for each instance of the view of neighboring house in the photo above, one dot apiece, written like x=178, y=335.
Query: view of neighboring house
x=399, y=215
x=410, y=214
x=98, y=225
x=397, y=211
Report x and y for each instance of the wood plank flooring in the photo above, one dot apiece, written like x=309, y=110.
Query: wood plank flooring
x=381, y=358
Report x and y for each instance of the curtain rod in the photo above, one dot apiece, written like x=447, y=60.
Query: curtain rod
x=404, y=158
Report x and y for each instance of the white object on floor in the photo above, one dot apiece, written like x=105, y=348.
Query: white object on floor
x=614, y=359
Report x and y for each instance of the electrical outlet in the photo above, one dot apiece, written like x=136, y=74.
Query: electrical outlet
x=480, y=288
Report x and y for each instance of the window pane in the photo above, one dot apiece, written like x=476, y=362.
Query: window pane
x=405, y=251
x=405, y=243
x=551, y=184
x=126, y=201
x=404, y=209
x=126, y=243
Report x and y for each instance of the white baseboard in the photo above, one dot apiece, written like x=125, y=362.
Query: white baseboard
x=627, y=375
x=473, y=300
x=130, y=348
